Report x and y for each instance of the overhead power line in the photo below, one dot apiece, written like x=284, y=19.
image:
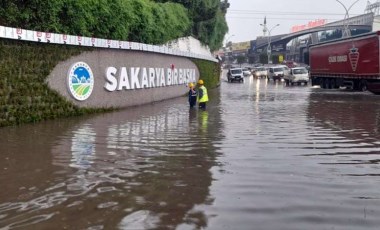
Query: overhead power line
x=301, y=19
x=255, y=12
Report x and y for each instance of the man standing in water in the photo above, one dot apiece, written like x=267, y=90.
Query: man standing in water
x=202, y=95
x=192, y=95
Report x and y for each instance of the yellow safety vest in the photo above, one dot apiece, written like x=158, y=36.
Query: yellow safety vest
x=205, y=95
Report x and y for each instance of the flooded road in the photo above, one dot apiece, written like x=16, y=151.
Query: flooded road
x=263, y=156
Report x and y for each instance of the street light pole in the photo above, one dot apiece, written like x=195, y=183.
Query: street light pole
x=346, y=32
x=228, y=39
x=227, y=50
x=269, y=49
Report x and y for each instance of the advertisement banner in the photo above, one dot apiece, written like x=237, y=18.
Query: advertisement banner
x=241, y=46
x=280, y=58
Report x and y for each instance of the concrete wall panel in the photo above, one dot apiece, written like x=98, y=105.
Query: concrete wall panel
x=100, y=59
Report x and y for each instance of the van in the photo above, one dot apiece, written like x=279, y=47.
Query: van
x=235, y=74
x=276, y=73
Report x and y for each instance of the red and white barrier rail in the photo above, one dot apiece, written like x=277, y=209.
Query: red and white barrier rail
x=64, y=39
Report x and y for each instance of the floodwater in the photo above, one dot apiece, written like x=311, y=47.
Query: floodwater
x=263, y=156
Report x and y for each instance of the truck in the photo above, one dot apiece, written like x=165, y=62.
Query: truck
x=297, y=75
x=349, y=62
x=290, y=64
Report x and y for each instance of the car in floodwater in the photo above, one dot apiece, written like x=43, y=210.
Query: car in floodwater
x=246, y=72
x=260, y=72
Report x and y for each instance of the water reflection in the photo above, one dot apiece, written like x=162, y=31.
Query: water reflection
x=261, y=156
x=353, y=119
x=83, y=147
x=277, y=168
x=140, y=168
x=347, y=111
x=204, y=121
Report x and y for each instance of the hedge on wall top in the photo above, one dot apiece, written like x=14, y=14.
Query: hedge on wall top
x=134, y=20
x=145, y=21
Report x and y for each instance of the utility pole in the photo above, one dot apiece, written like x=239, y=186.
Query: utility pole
x=265, y=30
x=227, y=49
x=346, y=31
x=373, y=7
x=269, y=47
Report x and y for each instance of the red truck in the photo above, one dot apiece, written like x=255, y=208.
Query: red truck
x=352, y=62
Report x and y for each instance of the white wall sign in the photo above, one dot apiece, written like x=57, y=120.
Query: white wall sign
x=125, y=78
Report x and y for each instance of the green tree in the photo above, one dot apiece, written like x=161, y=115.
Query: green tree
x=208, y=20
x=251, y=59
x=263, y=58
x=29, y=14
x=241, y=59
x=275, y=59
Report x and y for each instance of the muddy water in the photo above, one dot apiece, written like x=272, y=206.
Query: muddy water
x=263, y=156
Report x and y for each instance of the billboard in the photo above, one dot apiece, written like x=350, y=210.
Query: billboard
x=253, y=45
x=241, y=46
x=310, y=24
x=278, y=47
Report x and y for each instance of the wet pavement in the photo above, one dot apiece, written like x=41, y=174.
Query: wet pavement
x=263, y=156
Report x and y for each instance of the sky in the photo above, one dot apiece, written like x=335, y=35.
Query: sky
x=245, y=16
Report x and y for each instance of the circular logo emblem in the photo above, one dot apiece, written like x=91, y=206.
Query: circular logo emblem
x=80, y=81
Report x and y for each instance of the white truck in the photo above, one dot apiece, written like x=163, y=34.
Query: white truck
x=297, y=75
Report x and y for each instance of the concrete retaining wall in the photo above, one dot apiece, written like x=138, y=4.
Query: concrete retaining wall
x=46, y=76
x=190, y=45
